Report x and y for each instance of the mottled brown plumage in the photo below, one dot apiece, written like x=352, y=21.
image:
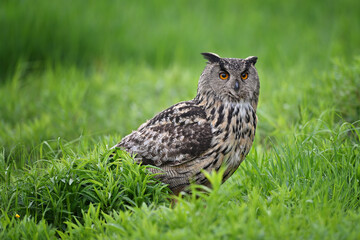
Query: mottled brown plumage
x=216, y=127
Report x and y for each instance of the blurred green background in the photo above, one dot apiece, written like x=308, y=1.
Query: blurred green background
x=76, y=68
x=76, y=76
x=160, y=32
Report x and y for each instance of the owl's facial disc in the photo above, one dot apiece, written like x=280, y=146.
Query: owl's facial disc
x=230, y=79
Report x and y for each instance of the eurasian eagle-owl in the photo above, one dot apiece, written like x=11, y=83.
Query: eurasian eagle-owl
x=216, y=127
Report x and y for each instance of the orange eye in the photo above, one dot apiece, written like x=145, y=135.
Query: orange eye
x=244, y=75
x=224, y=75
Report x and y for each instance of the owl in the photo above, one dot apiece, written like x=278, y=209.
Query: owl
x=215, y=128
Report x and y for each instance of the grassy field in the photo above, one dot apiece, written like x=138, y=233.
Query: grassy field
x=76, y=77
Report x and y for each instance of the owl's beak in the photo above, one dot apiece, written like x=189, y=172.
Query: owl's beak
x=237, y=85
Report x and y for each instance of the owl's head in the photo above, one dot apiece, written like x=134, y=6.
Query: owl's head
x=230, y=79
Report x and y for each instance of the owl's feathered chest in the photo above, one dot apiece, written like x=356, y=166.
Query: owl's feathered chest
x=233, y=126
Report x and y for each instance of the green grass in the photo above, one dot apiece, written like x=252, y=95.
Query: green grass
x=75, y=78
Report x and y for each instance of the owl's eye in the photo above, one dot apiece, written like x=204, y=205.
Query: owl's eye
x=224, y=75
x=244, y=75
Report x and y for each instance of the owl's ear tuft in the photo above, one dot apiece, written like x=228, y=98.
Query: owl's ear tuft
x=251, y=59
x=211, y=57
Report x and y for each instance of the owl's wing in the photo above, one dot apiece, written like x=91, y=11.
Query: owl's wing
x=176, y=135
